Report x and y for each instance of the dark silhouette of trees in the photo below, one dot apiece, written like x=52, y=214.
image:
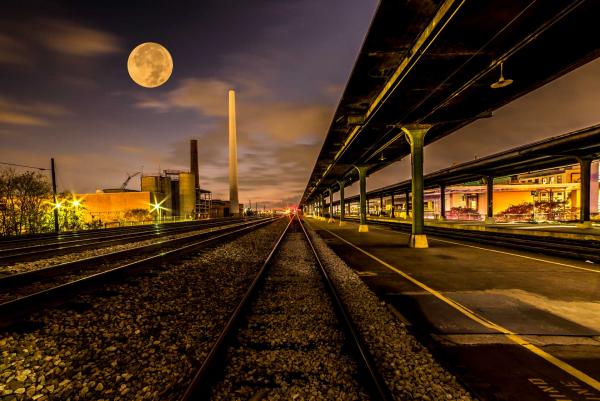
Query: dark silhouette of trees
x=24, y=202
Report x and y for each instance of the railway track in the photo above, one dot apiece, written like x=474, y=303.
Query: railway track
x=67, y=235
x=549, y=246
x=22, y=293
x=288, y=340
x=148, y=335
x=15, y=251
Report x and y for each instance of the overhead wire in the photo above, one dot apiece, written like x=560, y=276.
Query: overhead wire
x=24, y=166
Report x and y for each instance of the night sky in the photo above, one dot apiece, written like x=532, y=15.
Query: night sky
x=65, y=93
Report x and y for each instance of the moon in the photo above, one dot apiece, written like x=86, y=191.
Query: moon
x=150, y=65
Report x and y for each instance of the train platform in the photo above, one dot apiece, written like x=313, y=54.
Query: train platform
x=512, y=325
x=555, y=230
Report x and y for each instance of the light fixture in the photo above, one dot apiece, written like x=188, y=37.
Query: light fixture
x=501, y=83
x=381, y=157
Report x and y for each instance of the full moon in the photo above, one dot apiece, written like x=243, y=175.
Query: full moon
x=150, y=65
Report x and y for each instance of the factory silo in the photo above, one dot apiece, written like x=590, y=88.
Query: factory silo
x=187, y=195
x=167, y=198
x=151, y=183
x=160, y=192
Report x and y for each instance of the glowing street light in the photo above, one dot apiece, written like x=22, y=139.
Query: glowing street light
x=157, y=207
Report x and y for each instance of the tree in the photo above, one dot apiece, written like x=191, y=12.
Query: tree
x=137, y=215
x=24, y=202
x=554, y=210
x=70, y=212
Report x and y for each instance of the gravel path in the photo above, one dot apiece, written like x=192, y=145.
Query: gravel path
x=137, y=340
x=38, y=264
x=407, y=366
x=291, y=347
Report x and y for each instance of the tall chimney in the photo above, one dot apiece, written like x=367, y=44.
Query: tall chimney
x=233, y=181
x=194, y=162
x=194, y=170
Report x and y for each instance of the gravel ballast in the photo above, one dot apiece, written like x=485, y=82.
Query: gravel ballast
x=291, y=346
x=408, y=367
x=141, y=339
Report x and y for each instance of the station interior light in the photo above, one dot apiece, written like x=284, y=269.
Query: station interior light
x=501, y=82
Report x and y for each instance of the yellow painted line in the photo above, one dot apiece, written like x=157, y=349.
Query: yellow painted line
x=517, y=339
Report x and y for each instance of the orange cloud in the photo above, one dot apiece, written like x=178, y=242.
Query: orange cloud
x=77, y=40
x=35, y=113
x=16, y=118
x=283, y=121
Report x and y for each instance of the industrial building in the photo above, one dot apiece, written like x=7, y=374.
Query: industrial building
x=172, y=194
x=168, y=195
x=108, y=208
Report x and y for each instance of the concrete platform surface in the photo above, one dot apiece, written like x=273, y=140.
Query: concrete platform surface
x=511, y=325
x=570, y=231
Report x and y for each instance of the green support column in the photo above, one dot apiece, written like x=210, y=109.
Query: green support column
x=342, y=203
x=330, y=220
x=323, y=207
x=489, y=181
x=585, y=165
x=362, y=175
x=415, y=135
x=442, y=201
x=392, y=211
x=320, y=207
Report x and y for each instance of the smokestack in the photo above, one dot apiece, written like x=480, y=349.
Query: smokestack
x=194, y=162
x=194, y=171
x=234, y=208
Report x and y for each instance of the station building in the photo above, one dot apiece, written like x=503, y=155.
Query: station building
x=468, y=201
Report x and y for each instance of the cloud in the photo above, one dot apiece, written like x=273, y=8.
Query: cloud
x=207, y=96
x=277, y=139
x=13, y=51
x=16, y=118
x=130, y=149
x=32, y=113
x=257, y=115
x=19, y=43
x=75, y=39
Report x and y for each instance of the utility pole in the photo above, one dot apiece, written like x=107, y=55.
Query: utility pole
x=54, y=194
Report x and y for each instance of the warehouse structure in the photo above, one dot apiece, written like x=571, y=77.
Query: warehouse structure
x=168, y=195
